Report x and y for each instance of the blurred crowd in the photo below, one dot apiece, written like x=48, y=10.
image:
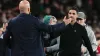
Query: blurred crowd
x=58, y=8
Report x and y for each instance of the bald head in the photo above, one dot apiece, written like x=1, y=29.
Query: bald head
x=24, y=6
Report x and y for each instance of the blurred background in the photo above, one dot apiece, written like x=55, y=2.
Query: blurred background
x=58, y=8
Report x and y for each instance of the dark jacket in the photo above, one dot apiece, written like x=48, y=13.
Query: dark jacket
x=71, y=40
x=25, y=31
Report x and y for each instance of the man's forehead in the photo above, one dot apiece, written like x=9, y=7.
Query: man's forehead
x=72, y=11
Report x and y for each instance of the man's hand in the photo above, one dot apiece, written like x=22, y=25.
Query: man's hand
x=83, y=49
x=67, y=20
x=45, y=49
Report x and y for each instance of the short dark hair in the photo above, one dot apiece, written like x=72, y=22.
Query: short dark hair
x=74, y=8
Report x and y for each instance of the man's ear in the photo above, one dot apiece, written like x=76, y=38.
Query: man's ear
x=29, y=10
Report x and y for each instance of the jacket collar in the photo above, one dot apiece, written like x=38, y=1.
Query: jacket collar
x=23, y=14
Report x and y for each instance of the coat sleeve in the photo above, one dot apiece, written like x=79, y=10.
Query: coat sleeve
x=87, y=41
x=54, y=30
x=54, y=47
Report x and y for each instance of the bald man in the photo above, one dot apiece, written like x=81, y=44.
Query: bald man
x=25, y=31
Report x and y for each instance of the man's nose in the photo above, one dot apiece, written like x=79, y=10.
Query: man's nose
x=71, y=14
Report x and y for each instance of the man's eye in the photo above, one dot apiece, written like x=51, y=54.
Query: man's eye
x=69, y=13
x=73, y=13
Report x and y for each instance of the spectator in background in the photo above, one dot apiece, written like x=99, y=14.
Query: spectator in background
x=6, y=51
x=50, y=20
x=81, y=20
x=97, y=32
x=98, y=48
x=1, y=42
x=5, y=24
x=55, y=9
x=4, y=21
